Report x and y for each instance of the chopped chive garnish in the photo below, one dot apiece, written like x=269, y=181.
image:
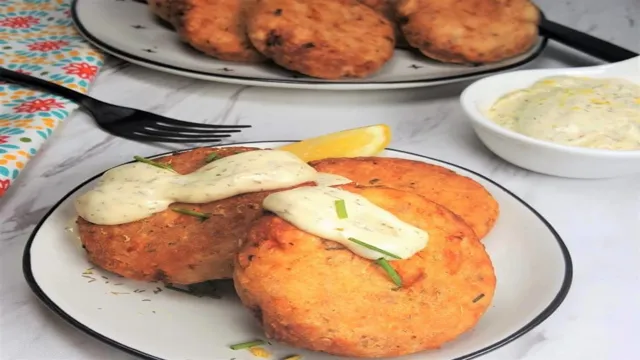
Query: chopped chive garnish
x=390, y=271
x=153, y=163
x=211, y=157
x=371, y=247
x=200, y=215
x=478, y=298
x=246, y=345
x=341, y=209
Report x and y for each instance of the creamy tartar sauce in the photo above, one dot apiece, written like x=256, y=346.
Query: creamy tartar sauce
x=138, y=190
x=576, y=111
x=312, y=209
x=324, y=179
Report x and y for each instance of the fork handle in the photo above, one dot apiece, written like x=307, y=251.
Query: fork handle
x=584, y=42
x=28, y=80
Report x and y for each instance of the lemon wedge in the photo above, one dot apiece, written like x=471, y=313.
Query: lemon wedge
x=259, y=352
x=363, y=141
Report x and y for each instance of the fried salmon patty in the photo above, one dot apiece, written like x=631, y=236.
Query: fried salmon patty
x=388, y=9
x=215, y=27
x=316, y=294
x=469, y=31
x=174, y=247
x=324, y=39
x=465, y=197
x=160, y=8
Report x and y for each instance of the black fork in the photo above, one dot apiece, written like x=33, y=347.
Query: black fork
x=130, y=123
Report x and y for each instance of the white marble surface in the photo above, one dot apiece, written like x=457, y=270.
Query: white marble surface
x=599, y=220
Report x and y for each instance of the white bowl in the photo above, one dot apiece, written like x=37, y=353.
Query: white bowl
x=544, y=156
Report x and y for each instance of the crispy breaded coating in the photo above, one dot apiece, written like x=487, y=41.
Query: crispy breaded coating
x=324, y=39
x=316, y=294
x=465, y=197
x=160, y=8
x=469, y=31
x=176, y=9
x=215, y=27
x=174, y=247
x=388, y=9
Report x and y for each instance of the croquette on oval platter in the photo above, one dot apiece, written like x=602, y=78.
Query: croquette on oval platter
x=215, y=27
x=469, y=31
x=173, y=247
x=324, y=39
x=388, y=8
x=316, y=294
x=465, y=197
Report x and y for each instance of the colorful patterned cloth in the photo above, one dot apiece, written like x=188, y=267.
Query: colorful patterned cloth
x=37, y=37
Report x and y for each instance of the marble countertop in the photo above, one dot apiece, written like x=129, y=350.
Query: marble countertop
x=598, y=219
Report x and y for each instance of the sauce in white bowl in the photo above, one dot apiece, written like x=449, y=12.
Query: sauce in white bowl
x=542, y=155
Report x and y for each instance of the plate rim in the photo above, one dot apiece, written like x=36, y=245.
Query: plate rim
x=537, y=320
x=291, y=83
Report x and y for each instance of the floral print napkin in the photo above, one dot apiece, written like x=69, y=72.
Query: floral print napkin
x=37, y=37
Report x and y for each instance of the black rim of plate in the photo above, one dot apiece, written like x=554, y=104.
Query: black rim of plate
x=186, y=72
x=550, y=309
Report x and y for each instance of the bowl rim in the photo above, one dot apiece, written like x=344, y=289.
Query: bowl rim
x=469, y=95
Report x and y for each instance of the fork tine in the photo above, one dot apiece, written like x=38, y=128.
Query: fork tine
x=173, y=130
x=174, y=134
x=147, y=138
x=163, y=138
x=180, y=123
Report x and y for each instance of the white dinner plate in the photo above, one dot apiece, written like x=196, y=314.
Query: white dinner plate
x=126, y=29
x=532, y=264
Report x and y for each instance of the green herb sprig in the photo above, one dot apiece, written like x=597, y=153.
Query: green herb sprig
x=246, y=345
x=153, y=163
x=393, y=274
x=341, y=209
x=202, y=216
x=374, y=248
x=211, y=157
